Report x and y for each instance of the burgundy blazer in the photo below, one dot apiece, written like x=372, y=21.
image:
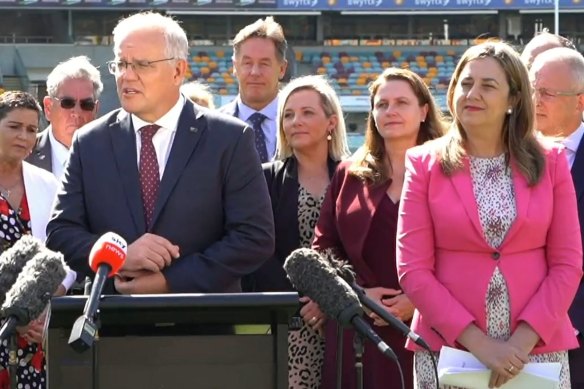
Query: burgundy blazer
x=345, y=219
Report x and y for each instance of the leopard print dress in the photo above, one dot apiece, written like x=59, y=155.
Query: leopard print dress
x=305, y=346
x=495, y=196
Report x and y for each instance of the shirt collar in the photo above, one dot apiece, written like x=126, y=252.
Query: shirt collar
x=572, y=141
x=59, y=150
x=270, y=110
x=168, y=121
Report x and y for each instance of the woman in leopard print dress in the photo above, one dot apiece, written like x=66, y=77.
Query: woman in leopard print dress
x=311, y=142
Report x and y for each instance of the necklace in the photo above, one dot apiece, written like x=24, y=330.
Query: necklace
x=6, y=192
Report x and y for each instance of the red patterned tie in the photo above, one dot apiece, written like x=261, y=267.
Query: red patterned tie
x=149, y=173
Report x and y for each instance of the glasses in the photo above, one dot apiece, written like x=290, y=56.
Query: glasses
x=116, y=67
x=87, y=104
x=548, y=94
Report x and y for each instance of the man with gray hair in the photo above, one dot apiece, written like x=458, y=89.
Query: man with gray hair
x=259, y=63
x=73, y=90
x=541, y=42
x=557, y=76
x=181, y=184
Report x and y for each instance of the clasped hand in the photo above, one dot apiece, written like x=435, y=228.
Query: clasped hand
x=393, y=301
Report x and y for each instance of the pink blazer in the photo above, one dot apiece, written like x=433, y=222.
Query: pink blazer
x=445, y=265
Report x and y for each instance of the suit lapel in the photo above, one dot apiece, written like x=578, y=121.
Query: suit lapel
x=123, y=141
x=41, y=156
x=578, y=170
x=462, y=182
x=191, y=126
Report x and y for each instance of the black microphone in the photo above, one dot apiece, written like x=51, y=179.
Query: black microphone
x=12, y=262
x=32, y=291
x=345, y=271
x=106, y=257
x=309, y=275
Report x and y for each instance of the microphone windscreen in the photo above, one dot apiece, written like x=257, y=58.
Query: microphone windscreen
x=34, y=286
x=312, y=276
x=110, y=249
x=12, y=262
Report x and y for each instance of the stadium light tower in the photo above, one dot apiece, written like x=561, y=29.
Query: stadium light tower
x=557, y=17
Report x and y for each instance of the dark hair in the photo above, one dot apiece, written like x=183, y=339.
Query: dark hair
x=11, y=100
x=368, y=160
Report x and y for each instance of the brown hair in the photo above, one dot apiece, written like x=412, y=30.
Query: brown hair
x=266, y=28
x=11, y=100
x=368, y=160
x=518, y=128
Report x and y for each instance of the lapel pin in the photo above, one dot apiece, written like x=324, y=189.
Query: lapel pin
x=194, y=129
x=42, y=156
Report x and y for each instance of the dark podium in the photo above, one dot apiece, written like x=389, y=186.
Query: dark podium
x=175, y=341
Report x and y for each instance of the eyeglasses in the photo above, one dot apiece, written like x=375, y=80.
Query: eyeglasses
x=87, y=104
x=545, y=93
x=116, y=67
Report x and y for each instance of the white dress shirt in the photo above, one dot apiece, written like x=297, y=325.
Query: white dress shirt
x=164, y=137
x=572, y=142
x=59, y=156
x=269, y=125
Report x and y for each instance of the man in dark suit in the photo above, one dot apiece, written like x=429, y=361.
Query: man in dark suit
x=557, y=76
x=73, y=90
x=182, y=184
x=259, y=63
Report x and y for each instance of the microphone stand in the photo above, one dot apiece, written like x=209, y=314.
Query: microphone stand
x=359, y=351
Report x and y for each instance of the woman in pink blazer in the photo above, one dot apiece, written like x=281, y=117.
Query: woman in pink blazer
x=488, y=241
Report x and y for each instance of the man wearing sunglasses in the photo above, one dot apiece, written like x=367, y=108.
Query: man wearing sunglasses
x=557, y=76
x=73, y=89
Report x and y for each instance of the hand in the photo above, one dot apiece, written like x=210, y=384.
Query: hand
x=148, y=283
x=312, y=315
x=400, y=306
x=397, y=304
x=150, y=252
x=33, y=332
x=504, y=359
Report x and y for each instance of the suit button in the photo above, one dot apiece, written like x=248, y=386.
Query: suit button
x=496, y=255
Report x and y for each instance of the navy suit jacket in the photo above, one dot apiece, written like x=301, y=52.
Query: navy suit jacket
x=577, y=308
x=213, y=200
x=41, y=154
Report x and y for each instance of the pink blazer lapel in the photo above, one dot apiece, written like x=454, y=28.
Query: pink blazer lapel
x=522, y=198
x=462, y=182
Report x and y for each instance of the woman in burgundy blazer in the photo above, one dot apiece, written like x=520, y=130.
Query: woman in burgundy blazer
x=488, y=243
x=358, y=220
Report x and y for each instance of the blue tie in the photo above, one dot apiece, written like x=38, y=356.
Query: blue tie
x=256, y=121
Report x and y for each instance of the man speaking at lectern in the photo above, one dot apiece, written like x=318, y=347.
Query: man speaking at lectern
x=182, y=184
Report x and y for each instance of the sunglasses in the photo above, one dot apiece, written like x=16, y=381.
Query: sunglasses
x=87, y=104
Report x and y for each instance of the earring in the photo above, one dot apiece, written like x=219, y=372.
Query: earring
x=509, y=111
x=329, y=137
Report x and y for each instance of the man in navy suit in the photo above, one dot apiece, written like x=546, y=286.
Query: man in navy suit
x=182, y=184
x=557, y=76
x=259, y=63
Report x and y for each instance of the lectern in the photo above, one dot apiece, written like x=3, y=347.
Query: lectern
x=223, y=341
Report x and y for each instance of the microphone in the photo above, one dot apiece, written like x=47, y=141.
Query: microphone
x=310, y=275
x=32, y=291
x=12, y=262
x=345, y=271
x=106, y=257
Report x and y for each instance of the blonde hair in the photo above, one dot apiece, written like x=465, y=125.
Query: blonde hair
x=198, y=93
x=368, y=160
x=338, y=147
x=518, y=128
